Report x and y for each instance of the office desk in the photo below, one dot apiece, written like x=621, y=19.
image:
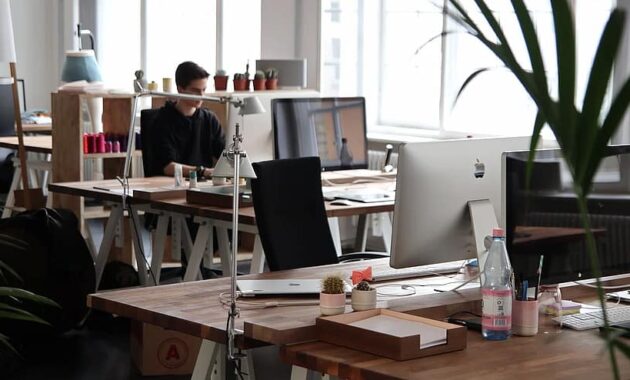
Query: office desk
x=42, y=128
x=32, y=144
x=194, y=308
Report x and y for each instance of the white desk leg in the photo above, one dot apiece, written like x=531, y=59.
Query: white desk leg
x=258, y=257
x=224, y=250
x=187, y=242
x=386, y=228
x=192, y=270
x=15, y=183
x=176, y=238
x=333, y=223
x=205, y=360
x=138, y=246
x=158, y=253
x=361, y=238
x=108, y=238
x=208, y=255
x=298, y=373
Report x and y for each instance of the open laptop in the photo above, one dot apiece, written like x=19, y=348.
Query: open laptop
x=360, y=195
x=282, y=287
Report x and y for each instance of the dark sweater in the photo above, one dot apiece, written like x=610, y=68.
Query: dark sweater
x=193, y=140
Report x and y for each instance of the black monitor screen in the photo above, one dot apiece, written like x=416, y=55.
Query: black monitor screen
x=543, y=218
x=331, y=128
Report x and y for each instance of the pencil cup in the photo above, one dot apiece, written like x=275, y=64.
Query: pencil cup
x=525, y=317
x=167, y=84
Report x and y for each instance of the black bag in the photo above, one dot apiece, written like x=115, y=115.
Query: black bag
x=57, y=263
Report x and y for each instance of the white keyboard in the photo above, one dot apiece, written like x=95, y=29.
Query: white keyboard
x=594, y=319
x=421, y=271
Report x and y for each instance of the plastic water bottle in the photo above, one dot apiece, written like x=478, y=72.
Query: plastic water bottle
x=496, y=290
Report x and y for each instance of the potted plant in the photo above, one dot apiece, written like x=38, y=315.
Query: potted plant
x=220, y=80
x=582, y=131
x=271, y=76
x=332, y=299
x=259, y=80
x=363, y=297
x=241, y=83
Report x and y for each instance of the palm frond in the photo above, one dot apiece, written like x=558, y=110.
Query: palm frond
x=26, y=295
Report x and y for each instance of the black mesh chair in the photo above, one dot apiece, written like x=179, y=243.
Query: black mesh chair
x=147, y=118
x=291, y=216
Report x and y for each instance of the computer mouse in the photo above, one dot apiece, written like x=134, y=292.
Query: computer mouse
x=341, y=202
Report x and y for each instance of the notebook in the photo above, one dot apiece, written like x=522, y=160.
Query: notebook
x=279, y=287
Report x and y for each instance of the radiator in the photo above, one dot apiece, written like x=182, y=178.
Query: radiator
x=613, y=246
x=376, y=159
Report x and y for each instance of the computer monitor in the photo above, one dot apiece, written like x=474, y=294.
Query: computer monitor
x=331, y=128
x=543, y=219
x=442, y=188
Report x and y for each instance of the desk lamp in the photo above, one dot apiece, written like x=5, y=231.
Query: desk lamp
x=232, y=163
x=7, y=54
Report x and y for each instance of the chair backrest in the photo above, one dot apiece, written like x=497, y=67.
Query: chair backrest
x=7, y=113
x=147, y=118
x=290, y=214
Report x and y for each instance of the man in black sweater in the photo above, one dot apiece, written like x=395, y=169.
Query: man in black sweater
x=186, y=134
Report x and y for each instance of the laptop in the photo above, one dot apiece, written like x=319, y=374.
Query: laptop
x=282, y=287
x=360, y=195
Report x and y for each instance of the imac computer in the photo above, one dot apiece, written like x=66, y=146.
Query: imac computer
x=332, y=128
x=448, y=199
x=543, y=218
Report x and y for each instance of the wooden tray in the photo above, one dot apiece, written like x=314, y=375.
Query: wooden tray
x=399, y=345
x=218, y=196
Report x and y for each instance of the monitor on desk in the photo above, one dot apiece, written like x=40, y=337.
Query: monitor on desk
x=435, y=184
x=333, y=129
x=543, y=219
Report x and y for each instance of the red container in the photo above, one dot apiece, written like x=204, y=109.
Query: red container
x=108, y=146
x=116, y=146
x=85, y=143
x=100, y=143
x=91, y=143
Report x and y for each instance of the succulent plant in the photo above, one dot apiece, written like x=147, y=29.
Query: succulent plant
x=333, y=284
x=220, y=73
x=363, y=285
x=259, y=74
x=271, y=73
x=239, y=76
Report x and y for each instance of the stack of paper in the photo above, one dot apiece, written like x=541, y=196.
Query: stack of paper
x=429, y=335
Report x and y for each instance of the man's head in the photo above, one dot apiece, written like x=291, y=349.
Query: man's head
x=191, y=79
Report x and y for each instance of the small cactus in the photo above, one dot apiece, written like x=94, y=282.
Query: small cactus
x=239, y=76
x=259, y=74
x=220, y=73
x=271, y=73
x=333, y=284
x=363, y=285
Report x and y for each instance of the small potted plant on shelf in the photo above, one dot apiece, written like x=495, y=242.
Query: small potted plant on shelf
x=272, y=79
x=220, y=80
x=363, y=297
x=332, y=299
x=259, y=80
x=240, y=82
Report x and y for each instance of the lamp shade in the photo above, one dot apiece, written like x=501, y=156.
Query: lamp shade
x=225, y=167
x=251, y=105
x=7, y=43
x=81, y=65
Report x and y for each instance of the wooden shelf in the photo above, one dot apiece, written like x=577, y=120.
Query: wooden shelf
x=136, y=153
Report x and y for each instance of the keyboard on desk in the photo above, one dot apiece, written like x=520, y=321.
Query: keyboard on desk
x=421, y=271
x=594, y=319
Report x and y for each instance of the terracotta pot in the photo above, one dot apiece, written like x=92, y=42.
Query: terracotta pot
x=332, y=304
x=220, y=83
x=241, y=85
x=259, y=84
x=271, y=84
x=363, y=299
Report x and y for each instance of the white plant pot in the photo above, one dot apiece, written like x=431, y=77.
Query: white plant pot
x=332, y=304
x=363, y=299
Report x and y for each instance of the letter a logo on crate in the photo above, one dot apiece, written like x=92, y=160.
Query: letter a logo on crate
x=173, y=353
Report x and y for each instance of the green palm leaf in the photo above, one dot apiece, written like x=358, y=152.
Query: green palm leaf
x=26, y=295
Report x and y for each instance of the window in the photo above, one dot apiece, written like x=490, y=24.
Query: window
x=410, y=84
x=175, y=31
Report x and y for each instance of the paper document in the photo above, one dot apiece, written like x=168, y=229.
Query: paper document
x=429, y=335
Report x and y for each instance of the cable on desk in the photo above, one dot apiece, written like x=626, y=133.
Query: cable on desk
x=225, y=302
x=135, y=228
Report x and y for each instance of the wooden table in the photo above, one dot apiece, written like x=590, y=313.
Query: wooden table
x=43, y=128
x=38, y=144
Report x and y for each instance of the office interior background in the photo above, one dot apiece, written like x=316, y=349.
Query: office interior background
x=382, y=50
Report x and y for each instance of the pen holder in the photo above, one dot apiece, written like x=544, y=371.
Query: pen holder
x=525, y=317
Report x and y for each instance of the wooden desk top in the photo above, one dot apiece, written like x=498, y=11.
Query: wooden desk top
x=108, y=190
x=529, y=237
x=39, y=144
x=37, y=128
x=565, y=355
x=194, y=307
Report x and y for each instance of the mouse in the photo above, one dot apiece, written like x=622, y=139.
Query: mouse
x=341, y=202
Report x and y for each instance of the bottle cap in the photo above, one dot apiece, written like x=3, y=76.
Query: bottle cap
x=498, y=232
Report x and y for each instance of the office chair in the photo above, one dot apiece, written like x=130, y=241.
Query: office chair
x=291, y=216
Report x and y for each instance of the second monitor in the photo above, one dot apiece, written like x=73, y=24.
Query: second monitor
x=332, y=128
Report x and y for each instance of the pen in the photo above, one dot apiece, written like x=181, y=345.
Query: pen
x=540, y=264
x=524, y=286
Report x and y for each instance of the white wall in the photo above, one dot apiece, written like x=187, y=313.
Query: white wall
x=290, y=29
x=36, y=30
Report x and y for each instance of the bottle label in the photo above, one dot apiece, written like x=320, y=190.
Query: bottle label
x=496, y=309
